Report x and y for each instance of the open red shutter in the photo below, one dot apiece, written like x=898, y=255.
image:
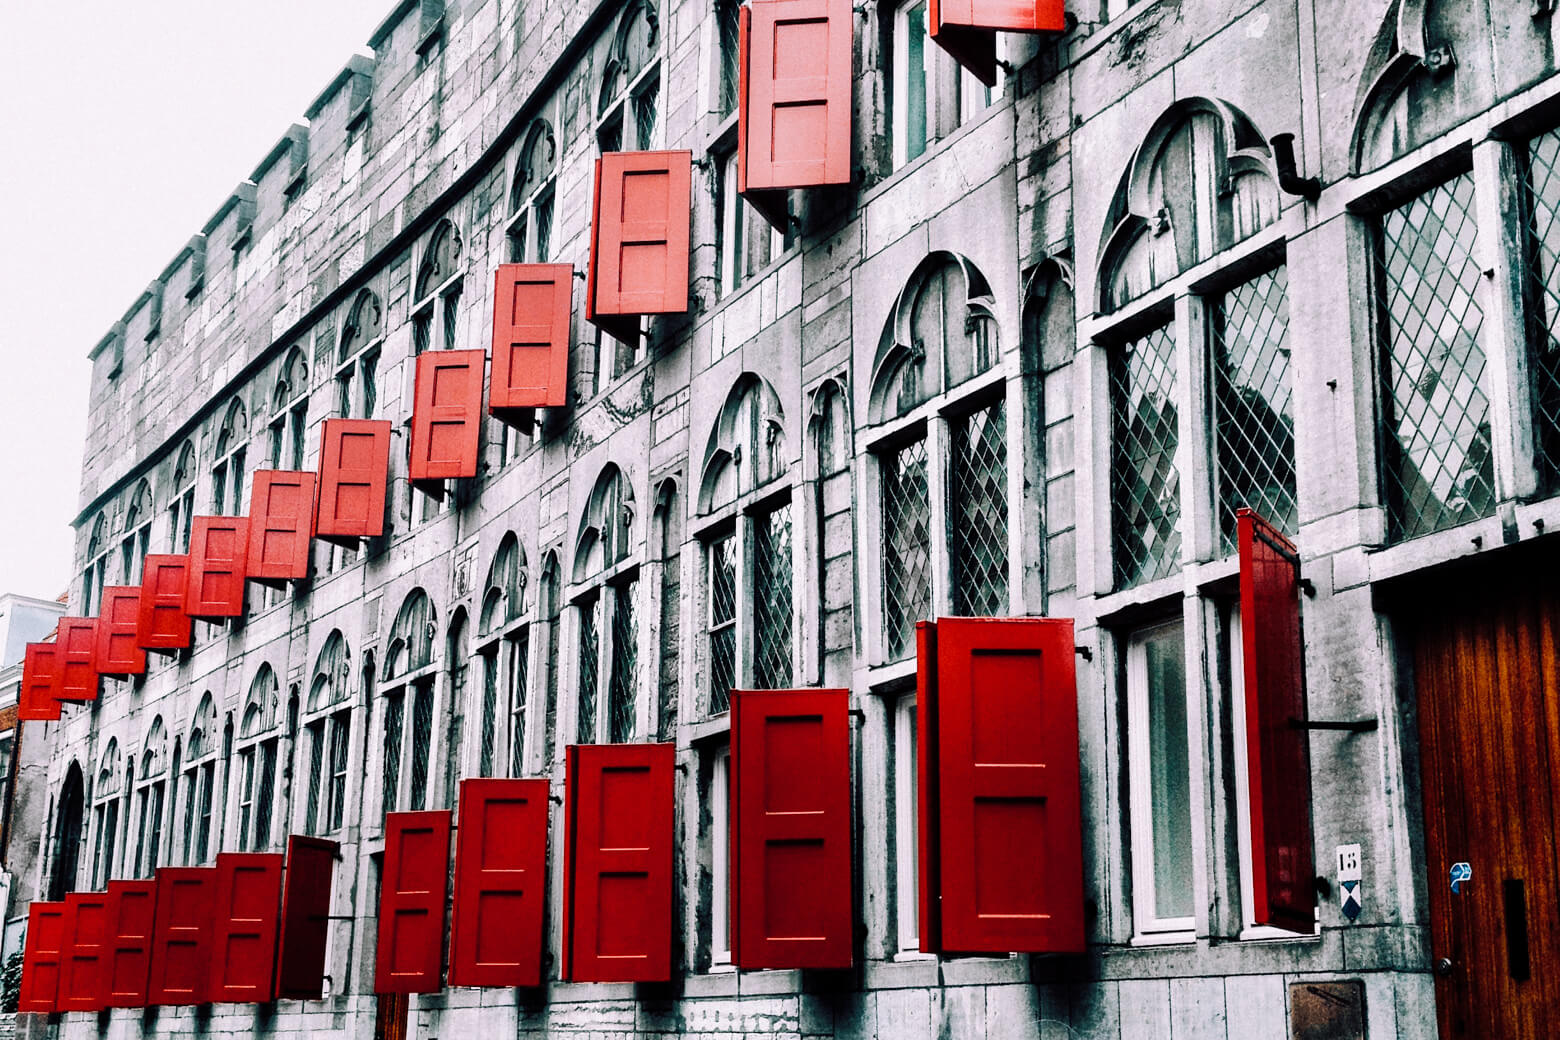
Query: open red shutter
x=281, y=524
x=41, y=957
x=181, y=938
x=219, y=552
x=618, y=863
x=500, y=883
x=446, y=418
x=532, y=305
x=967, y=29
x=119, y=651
x=249, y=893
x=354, y=471
x=412, y=888
x=83, y=983
x=163, y=625
x=132, y=910
x=1278, y=754
x=300, y=967
x=1009, y=819
x=77, y=639
x=790, y=830
x=37, y=700
x=794, y=99
x=639, y=239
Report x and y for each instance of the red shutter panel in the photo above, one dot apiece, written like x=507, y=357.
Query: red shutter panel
x=163, y=625
x=790, y=837
x=967, y=29
x=500, y=883
x=249, y=893
x=927, y=810
x=1010, y=852
x=1278, y=754
x=40, y=682
x=281, y=524
x=132, y=908
x=532, y=306
x=446, y=418
x=181, y=937
x=412, y=888
x=41, y=957
x=639, y=239
x=219, y=552
x=618, y=863
x=300, y=967
x=354, y=472
x=794, y=99
x=77, y=639
x=83, y=983
x=119, y=651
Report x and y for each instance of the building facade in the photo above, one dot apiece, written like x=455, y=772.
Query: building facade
x=1029, y=362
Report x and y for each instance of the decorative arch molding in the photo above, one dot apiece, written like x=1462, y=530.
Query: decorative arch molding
x=262, y=704
x=1049, y=315
x=365, y=323
x=411, y=636
x=332, y=680
x=1409, y=90
x=202, y=738
x=665, y=521
x=441, y=259
x=747, y=446
x=503, y=597
x=537, y=163
x=829, y=426
x=606, y=527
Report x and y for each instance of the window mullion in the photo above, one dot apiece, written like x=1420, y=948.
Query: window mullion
x=1195, y=453
x=744, y=602
x=937, y=477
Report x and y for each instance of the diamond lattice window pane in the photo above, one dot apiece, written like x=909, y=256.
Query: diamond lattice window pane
x=907, y=555
x=489, y=712
x=979, y=530
x=1255, y=423
x=520, y=647
x=1145, y=485
x=1438, y=466
x=1544, y=302
x=395, y=705
x=772, y=599
x=723, y=622
x=422, y=736
x=589, y=661
x=622, y=683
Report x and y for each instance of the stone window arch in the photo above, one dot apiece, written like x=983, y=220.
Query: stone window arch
x=200, y=781
x=327, y=723
x=532, y=192
x=409, y=673
x=289, y=411
x=95, y=576
x=627, y=107
x=136, y=541
x=437, y=290
x=504, y=645
x=259, y=739
x=607, y=600
x=105, y=814
x=181, y=505
x=228, y=471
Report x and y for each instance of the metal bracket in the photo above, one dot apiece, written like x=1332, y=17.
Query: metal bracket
x=1087, y=653
x=1308, y=587
x=1358, y=726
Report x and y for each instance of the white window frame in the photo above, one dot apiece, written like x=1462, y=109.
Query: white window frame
x=736, y=217
x=907, y=902
x=720, y=861
x=953, y=97
x=739, y=521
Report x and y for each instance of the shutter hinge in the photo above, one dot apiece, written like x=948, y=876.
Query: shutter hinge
x=1087, y=653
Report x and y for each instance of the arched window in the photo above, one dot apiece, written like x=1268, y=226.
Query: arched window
x=200, y=782
x=228, y=472
x=357, y=357
x=666, y=536
x=504, y=630
x=150, y=795
x=409, y=663
x=137, y=539
x=67, y=835
x=289, y=412
x=327, y=718
x=531, y=196
x=746, y=528
x=436, y=295
x=608, y=612
x=627, y=110
x=181, y=506
x=939, y=409
x=105, y=815
x=96, y=574
x=549, y=609
x=258, y=740
x=457, y=661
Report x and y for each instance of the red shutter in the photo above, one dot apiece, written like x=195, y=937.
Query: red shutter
x=354, y=471
x=181, y=938
x=281, y=524
x=132, y=909
x=1278, y=755
x=118, y=652
x=790, y=829
x=967, y=29
x=163, y=625
x=243, y=956
x=83, y=983
x=639, y=239
x=219, y=551
x=40, y=682
x=446, y=418
x=41, y=957
x=532, y=306
x=794, y=99
x=77, y=639
x=500, y=883
x=412, y=889
x=618, y=884
x=1009, y=829
x=300, y=967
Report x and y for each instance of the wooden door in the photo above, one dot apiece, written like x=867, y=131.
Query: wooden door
x=1489, y=721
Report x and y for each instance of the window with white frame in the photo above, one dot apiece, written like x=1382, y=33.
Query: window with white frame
x=728, y=16
x=137, y=540
x=199, y=782
x=532, y=196
x=228, y=473
x=327, y=723
x=149, y=800
x=607, y=607
x=720, y=860
x=436, y=292
x=1145, y=484
x=746, y=241
x=96, y=574
x=1158, y=753
x=504, y=631
x=409, y=682
x=628, y=108
x=357, y=357
x=257, y=749
x=289, y=412
x=907, y=893
x=940, y=411
x=749, y=549
x=105, y=816
x=181, y=505
x=931, y=95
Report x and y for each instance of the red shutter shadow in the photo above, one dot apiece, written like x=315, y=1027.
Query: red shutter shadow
x=132, y=910
x=281, y=526
x=77, y=639
x=248, y=905
x=790, y=829
x=639, y=241
x=354, y=472
x=412, y=888
x=119, y=652
x=219, y=553
x=446, y=418
x=967, y=29
x=41, y=957
x=500, y=883
x=83, y=983
x=163, y=625
x=37, y=700
x=618, y=863
x=181, y=937
x=305, y=924
x=532, y=307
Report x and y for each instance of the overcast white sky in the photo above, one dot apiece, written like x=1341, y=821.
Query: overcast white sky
x=123, y=126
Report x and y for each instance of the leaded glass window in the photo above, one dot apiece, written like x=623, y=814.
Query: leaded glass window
x=1544, y=302
x=422, y=736
x=622, y=683
x=590, y=656
x=978, y=528
x=727, y=16
x=1145, y=481
x=395, y=708
x=519, y=647
x=487, y=746
x=723, y=622
x=907, y=556
x=772, y=618
x=1438, y=465
x=1254, y=420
